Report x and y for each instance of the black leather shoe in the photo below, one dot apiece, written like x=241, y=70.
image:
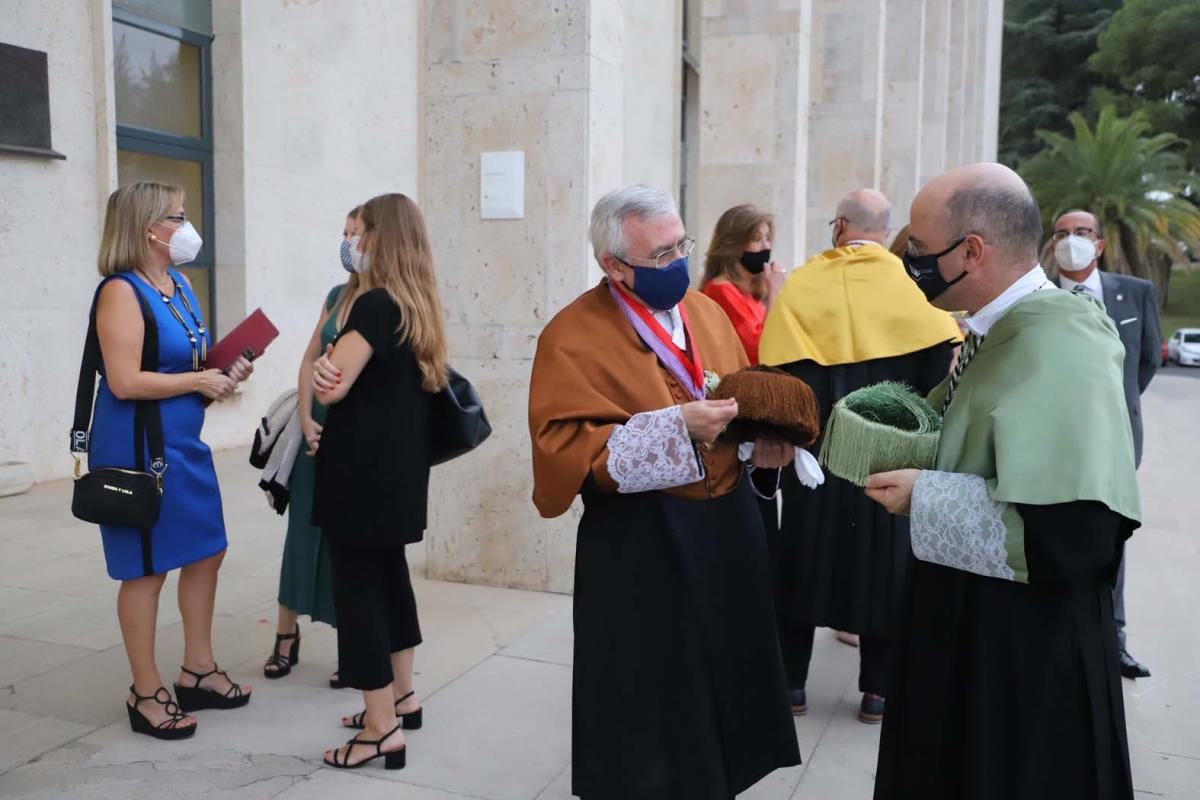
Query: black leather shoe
x=871, y=710
x=799, y=702
x=1130, y=668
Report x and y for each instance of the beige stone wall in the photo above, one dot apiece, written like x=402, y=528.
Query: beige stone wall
x=50, y=217
x=753, y=130
x=797, y=102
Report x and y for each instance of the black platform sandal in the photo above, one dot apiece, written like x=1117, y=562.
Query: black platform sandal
x=412, y=721
x=277, y=666
x=170, y=728
x=335, y=681
x=393, y=760
x=194, y=698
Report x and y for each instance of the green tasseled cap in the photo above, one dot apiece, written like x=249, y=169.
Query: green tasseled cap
x=878, y=428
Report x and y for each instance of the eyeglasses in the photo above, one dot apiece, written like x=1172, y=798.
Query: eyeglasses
x=1086, y=233
x=179, y=218
x=664, y=257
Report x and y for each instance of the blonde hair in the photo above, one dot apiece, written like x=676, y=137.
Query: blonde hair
x=733, y=232
x=131, y=211
x=402, y=264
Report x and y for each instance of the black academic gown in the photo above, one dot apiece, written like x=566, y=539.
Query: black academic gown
x=679, y=691
x=1001, y=690
x=840, y=559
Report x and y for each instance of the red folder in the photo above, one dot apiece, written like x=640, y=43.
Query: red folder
x=250, y=338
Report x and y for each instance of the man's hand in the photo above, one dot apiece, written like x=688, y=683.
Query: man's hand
x=893, y=490
x=771, y=453
x=706, y=419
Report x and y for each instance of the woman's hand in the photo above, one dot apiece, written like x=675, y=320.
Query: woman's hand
x=241, y=369
x=776, y=277
x=326, y=376
x=214, y=384
x=312, y=433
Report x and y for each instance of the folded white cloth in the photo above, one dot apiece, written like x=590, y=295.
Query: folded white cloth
x=808, y=471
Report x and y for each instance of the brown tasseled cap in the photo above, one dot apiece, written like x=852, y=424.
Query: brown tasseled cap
x=772, y=403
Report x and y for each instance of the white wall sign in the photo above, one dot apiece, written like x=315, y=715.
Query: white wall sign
x=502, y=185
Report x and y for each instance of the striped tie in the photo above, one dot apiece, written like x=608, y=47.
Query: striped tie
x=970, y=347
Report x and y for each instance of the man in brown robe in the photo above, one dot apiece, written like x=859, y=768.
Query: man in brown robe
x=678, y=685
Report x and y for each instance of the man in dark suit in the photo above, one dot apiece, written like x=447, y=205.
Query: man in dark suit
x=1131, y=303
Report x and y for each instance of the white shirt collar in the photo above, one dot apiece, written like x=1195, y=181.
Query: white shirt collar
x=672, y=323
x=982, y=320
x=1091, y=283
x=861, y=242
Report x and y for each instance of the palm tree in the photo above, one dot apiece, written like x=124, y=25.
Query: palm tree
x=1134, y=183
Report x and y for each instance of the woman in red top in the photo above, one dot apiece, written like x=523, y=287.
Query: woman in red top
x=741, y=277
x=739, y=273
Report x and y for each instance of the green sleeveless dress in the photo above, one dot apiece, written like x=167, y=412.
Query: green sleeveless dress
x=305, y=578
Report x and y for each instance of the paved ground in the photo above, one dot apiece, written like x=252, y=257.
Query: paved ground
x=494, y=672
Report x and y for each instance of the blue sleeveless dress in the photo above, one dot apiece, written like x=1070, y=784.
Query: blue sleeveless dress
x=191, y=526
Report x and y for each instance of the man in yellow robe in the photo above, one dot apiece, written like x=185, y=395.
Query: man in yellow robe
x=848, y=318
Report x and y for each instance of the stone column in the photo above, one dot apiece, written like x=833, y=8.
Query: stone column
x=903, y=100
x=845, y=119
x=548, y=77
x=753, y=116
x=993, y=39
x=936, y=88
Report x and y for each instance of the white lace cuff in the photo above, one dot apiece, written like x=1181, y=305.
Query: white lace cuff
x=957, y=524
x=653, y=451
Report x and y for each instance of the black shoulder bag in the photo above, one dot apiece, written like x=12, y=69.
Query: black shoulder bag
x=124, y=498
x=458, y=423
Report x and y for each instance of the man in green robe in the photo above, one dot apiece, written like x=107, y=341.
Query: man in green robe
x=1005, y=679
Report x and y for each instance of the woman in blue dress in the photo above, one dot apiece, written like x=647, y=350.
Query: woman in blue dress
x=145, y=232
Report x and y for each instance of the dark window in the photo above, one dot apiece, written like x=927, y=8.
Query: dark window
x=25, y=102
x=162, y=75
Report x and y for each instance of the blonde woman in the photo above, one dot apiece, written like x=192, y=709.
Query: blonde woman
x=379, y=380
x=146, y=232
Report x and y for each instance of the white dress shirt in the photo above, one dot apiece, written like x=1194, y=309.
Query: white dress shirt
x=1091, y=284
x=982, y=320
x=672, y=323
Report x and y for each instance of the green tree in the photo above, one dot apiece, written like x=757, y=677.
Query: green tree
x=1131, y=180
x=1149, y=53
x=1047, y=44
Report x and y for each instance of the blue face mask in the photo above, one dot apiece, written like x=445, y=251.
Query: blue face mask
x=661, y=287
x=347, y=254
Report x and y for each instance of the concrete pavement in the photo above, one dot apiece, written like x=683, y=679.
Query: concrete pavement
x=494, y=672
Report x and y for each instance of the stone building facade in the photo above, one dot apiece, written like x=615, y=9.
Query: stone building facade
x=304, y=108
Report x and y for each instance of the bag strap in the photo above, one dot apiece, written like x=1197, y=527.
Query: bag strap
x=89, y=366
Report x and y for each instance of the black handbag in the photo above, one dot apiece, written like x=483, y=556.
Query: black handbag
x=125, y=498
x=458, y=423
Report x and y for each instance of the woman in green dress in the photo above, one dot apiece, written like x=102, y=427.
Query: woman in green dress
x=305, y=582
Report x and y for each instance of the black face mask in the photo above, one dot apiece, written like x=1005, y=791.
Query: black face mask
x=755, y=263
x=924, y=271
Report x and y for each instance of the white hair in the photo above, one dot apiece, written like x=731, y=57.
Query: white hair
x=607, y=230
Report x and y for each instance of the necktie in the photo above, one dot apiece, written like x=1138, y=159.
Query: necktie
x=970, y=347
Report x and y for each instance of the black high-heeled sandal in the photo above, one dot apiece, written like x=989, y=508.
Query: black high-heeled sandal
x=171, y=728
x=277, y=666
x=195, y=698
x=393, y=760
x=412, y=721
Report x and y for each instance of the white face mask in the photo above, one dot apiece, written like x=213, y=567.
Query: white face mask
x=185, y=244
x=1074, y=253
x=358, y=259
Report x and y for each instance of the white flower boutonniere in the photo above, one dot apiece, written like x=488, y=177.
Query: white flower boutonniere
x=711, y=381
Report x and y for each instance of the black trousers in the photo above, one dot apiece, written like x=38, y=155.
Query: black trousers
x=873, y=651
x=376, y=610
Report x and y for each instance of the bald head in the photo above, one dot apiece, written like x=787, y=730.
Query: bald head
x=985, y=223
x=991, y=201
x=863, y=214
